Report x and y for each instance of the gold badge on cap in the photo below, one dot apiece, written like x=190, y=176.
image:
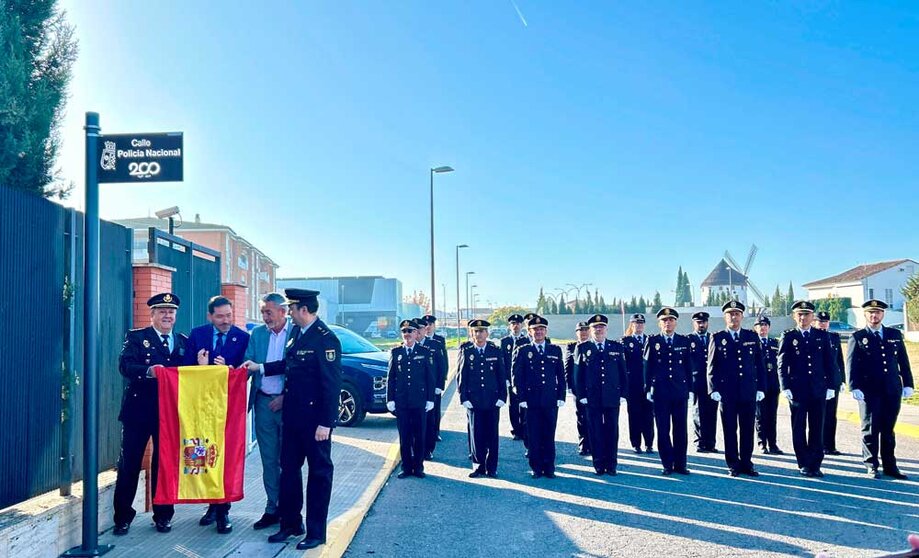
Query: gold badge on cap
x=167, y=298
x=733, y=305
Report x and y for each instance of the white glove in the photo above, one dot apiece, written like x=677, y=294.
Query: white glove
x=760, y=396
x=508, y=382
x=830, y=394
x=428, y=406
x=715, y=396
x=523, y=404
x=500, y=403
x=907, y=392
x=582, y=401
x=787, y=394
x=561, y=403
x=438, y=391
x=467, y=404
x=391, y=406
x=623, y=400
x=650, y=397
x=858, y=395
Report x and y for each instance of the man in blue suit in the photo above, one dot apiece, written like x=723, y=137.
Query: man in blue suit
x=218, y=342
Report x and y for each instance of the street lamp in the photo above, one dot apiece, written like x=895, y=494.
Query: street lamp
x=472, y=300
x=577, y=298
x=468, y=273
x=458, y=318
x=435, y=170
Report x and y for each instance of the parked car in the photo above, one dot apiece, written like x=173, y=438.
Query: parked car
x=364, y=370
x=843, y=329
x=391, y=335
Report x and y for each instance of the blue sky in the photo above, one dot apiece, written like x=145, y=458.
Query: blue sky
x=605, y=143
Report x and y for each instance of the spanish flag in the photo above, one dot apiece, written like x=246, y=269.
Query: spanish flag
x=202, y=434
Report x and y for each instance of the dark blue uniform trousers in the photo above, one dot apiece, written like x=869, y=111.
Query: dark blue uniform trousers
x=738, y=416
x=411, y=424
x=299, y=442
x=667, y=412
x=604, y=436
x=540, y=424
x=483, y=424
x=807, y=431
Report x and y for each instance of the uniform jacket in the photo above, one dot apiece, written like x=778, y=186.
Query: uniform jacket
x=142, y=349
x=668, y=370
x=698, y=345
x=569, y=365
x=840, y=360
x=878, y=367
x=539, y=380
x=312, y=388
x=202, y=337
x=807, y=368
x=635, y=365
x=770, y=357
x=257, y=351
x=736, y=369
x=482, y=379
x=411, y=379
x=441, y=364
x=600, y=375
x=509, y=344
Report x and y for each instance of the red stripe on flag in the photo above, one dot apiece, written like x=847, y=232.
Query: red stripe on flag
x=168, y=453
x=234, y=466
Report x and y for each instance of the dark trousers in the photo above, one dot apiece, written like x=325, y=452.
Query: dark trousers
x=134, y=437
x=704, y=421
x=807, y=431
x=410, y=423
x=604, y=436
x=641, y=421
x=432, y=426
x=738, y=417
x=667, y=413
x=296, y=443
x=483, y=423
x=766, y=413
x=879, y=416
x=517, y=416
x=580, y=413
x=540, y=424
x=829, y=423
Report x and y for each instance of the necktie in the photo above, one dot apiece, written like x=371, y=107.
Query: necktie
x=408, y=353
x=539, y=348
x=165, y=341
x=482, y=351
x=805, y=334
x=670, y=341
x=599, y=346
x=877, y=334
x=765, y=343
x=734, y=335
x=218, y=346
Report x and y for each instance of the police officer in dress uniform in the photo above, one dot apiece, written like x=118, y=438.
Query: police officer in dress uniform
x=582, y=333
x=704, y=408
x=767, y=409
x=509, y=343
x=312, y=365
x=432, y=432
x=807, y=370
x=539, y=378
x=641, y=411
x=601, y=384
x=829, y=421
x=668, y=375
x=483, y=391
x=879, y=376
x=425, y=339
x=143, y=351
x=410, y=396
x=736, y=379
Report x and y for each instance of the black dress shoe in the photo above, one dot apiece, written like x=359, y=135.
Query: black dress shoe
x=285, y=533
x=682, y=471
x=491, y=474
x=817, y=473
x=549, y=475
x=476, y=474
x=224, y=525
x=535, y=475
x=833, y=452
x=751, y=472
x=584, y=452
x=611, y=472
x=895, y=474
x=667, y=472
x=649, y=450
x=713, y=450
x=121, y=529
x=776, y=451
x=637, y=449
x=309, y=543
x=429, y=456
x=702, y=450
x=600, y=472
x=163, y=526
x=267, y=520
x=734, y=472
x=403, y=475
x=420, y=474
x=873, y=473
x=805, y=472
x=208, y=518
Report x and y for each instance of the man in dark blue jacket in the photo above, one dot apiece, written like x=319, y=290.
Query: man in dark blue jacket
x=704, y=409
x=582, y=332
x=641, y=411
x=832, y=405
x=509, y=343
x=218, y=342
x=767, y=409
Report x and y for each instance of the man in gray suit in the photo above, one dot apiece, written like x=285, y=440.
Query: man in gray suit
x=267, y=344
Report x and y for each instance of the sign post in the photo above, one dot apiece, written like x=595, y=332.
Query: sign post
x=113, y=158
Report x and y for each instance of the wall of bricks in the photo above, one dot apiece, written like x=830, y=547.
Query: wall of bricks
x=149, y=279
x=237, y=293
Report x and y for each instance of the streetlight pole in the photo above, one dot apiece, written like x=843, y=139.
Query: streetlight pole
x=458, y=317
x=435, y=170
x=472, y=301
x=468, y=273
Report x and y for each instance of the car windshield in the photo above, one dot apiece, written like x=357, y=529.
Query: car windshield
x=351, y=342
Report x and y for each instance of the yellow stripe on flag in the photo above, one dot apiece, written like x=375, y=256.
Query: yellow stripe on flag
x=202, y=408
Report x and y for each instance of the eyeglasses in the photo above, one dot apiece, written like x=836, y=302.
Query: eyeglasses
x=404, y=331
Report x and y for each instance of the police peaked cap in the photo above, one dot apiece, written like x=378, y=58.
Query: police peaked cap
x=479, y=324
x=733, y=306
x=537, y=321
x=667, y=312
x=300, y=296
x=163, y=300
x=803, y=306
x=597, y=319
x=515, y=318
x=874, y=304
x=700, y=316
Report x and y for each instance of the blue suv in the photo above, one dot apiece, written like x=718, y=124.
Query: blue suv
x=364, y=369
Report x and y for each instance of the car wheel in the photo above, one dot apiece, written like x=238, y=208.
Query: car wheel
x=350, y=406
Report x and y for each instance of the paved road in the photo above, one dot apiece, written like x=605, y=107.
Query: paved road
x=640, y=513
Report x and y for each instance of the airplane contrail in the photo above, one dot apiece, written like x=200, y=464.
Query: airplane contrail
x=520, y=14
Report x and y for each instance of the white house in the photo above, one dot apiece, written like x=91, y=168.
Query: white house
x=725, y=279
x=881, y=280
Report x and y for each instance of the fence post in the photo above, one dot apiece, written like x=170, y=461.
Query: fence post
x=68, y=366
